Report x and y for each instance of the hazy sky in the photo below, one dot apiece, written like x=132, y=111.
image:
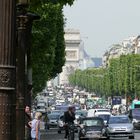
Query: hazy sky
x=103, y=22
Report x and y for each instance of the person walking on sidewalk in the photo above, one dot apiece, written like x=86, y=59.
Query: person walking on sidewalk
x=27, y=120
x=35, y=126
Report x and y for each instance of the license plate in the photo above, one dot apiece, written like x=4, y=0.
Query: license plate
x=92, y=135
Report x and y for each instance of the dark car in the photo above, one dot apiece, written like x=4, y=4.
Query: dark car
x=92, y=127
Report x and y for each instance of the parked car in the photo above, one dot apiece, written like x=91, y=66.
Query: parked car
x=120, y=126
x=53, y=119
x=91, y=127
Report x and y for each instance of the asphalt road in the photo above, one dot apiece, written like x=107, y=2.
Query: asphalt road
x=53, y=135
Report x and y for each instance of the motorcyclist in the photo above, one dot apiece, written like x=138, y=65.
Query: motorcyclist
x=69, y=117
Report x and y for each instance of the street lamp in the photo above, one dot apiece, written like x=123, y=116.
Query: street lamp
x=24, y=27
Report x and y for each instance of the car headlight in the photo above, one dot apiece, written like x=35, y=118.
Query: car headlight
x=134, y=121
x=110, y=128
x=129, y=127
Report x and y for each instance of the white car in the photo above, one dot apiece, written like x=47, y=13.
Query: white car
x=92, y=112
x=104, y=115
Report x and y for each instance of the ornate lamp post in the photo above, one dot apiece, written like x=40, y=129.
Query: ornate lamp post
x=7, y=69
x=24, y=26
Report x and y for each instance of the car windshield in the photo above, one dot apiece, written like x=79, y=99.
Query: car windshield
x=62, y=108
x=81, y=113
x=53, y=116
x=104, y=117
x=103, y=110
x=55, y=111
x=114, y=120
x=136, y=112
x=92, y=122
x=40, y=107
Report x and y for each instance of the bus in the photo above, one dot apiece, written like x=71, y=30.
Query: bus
x=135, y=104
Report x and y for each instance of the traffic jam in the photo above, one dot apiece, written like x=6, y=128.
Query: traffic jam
x=95, y=117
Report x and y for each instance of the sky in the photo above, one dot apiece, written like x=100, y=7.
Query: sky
x=103, y=22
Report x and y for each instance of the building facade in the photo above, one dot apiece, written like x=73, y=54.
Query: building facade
x=130, y=45
x=72, y=41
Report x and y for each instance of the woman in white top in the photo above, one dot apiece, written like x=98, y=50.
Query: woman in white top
x=35, y=126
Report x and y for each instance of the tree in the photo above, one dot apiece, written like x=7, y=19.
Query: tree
x=48, y=49
x=121, y=77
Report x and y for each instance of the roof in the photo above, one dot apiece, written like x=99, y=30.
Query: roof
x=92, y=118
x=116, y=116
x=102, y=113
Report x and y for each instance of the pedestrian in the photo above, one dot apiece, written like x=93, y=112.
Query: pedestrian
x=35, y=126
x=69, y=117
x=27, y=120
x=46, y=120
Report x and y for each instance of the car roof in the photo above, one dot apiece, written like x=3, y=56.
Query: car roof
x=119, y=116
x=104, y=109
x=102, y=113
x=91, y=118
x=81, y=110
x=55, y=113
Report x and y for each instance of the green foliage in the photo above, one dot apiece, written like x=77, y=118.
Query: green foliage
x=38, y=3
x=48, y=45
x=121, y=77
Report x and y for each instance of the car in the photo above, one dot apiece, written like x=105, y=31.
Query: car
x=104, y=115
x=53, y=119
x=92, y=112
x=119, y=126
x=56, y=111
x=134, y=115
x=79, y=114
x=91, y=128
x=102, y=110
x=41, y=107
